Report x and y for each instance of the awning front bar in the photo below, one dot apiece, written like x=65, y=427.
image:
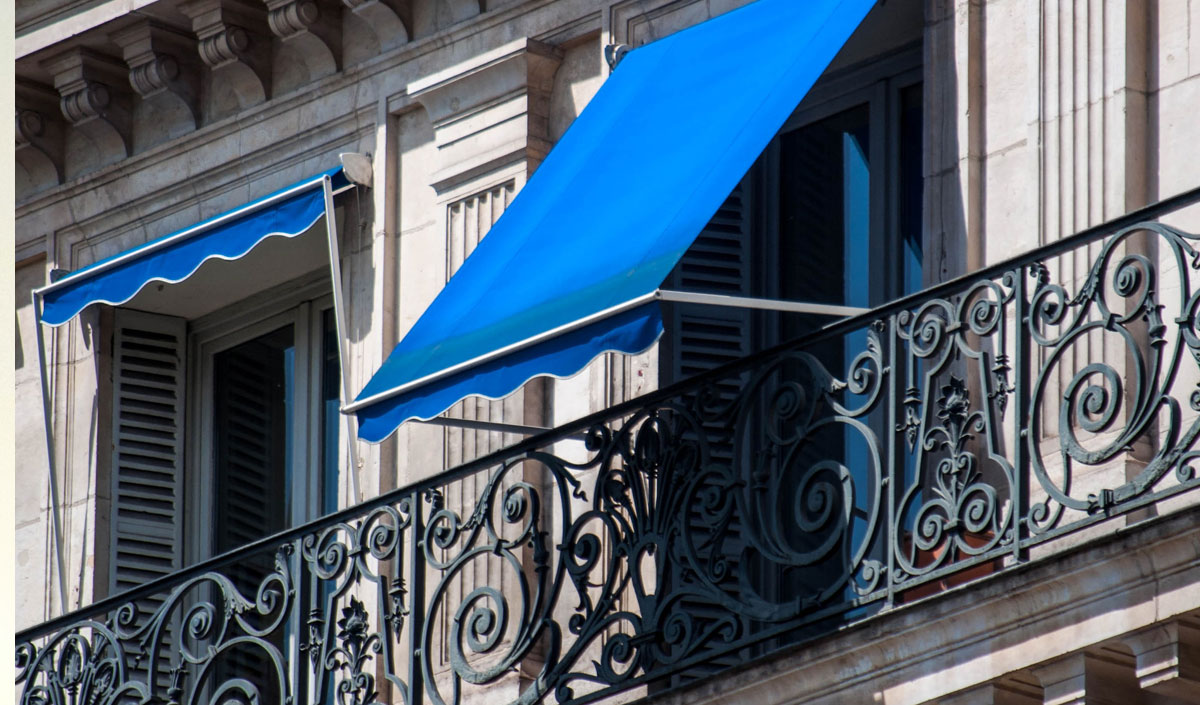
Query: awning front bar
x=656, y=295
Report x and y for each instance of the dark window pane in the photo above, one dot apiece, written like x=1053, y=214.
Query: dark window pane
x=824, y=209
x=911, y=185
x=330, y=414
x=252, y=394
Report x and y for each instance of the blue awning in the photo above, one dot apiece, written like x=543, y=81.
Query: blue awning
x=175, y=257
x=570, y=270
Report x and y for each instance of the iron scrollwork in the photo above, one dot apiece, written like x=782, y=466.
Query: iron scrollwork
x=820, y=482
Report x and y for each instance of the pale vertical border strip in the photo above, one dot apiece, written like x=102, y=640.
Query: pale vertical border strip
x=339, y=318
x=47, y=423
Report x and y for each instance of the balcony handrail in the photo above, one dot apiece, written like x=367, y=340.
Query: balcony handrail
x=579, y=426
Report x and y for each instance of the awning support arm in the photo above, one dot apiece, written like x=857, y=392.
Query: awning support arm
x=501, y=352
x=477, y=425
x=688, y=297
x=656, y=295
x=49, y=428
x=339, y=319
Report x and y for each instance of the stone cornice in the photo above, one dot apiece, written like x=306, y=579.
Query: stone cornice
x=396, y=65
x=168, y=199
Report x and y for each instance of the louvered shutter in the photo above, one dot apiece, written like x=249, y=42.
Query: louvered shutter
x=699, y=338
x=147, y=448
x=148, y=380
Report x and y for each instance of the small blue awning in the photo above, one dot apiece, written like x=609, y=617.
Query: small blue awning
x=175, y=257
x=571, y=269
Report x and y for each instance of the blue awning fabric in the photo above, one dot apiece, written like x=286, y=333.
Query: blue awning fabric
x=569, y=270
x=175, y=257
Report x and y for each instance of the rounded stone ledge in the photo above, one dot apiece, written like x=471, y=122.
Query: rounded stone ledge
x=978, y=633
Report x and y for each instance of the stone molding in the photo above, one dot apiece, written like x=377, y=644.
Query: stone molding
x=389, y=72
x=1084, y=604
x=493, y=114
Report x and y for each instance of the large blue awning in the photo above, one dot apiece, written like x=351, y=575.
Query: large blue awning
x=571, y=268
x=175, y=257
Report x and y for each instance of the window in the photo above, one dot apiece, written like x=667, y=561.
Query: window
x=246, y=399
x=829, y=213
x=266, y=399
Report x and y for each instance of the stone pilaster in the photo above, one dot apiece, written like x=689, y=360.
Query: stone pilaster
x=493, y=115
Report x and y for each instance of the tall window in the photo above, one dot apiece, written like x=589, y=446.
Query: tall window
x=267, y=426
x=829, y=213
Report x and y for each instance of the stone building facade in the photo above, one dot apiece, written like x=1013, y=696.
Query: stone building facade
x=1034, y=120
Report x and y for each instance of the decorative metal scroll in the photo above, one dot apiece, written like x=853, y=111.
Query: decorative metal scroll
x=847, y=474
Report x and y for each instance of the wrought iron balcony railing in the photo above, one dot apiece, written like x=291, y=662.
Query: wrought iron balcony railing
x=958, y=432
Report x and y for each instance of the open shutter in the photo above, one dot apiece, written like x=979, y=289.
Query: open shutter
x=146, y=536
x=699, y=338
x=147, y=443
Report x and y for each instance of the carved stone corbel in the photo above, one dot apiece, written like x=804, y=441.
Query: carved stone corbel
x=95, y=101
x=1168, y=659
x=390, y=20
x=234, y=42
x=311, y=30
x=163, y=65
x=39, y=149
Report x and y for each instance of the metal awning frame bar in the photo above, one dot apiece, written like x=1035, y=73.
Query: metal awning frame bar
x=656, y=295
x=688, y=297
x=478, y=425
x=339, y=322
x=47, y=423
x=185, y=234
